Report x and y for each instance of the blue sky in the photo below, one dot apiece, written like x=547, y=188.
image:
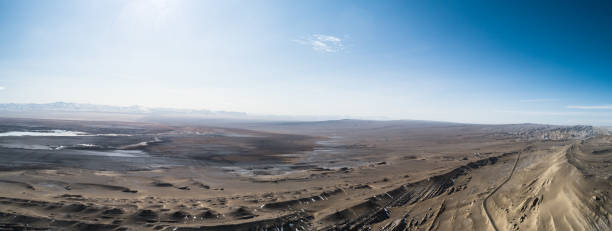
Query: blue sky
x=478, y=62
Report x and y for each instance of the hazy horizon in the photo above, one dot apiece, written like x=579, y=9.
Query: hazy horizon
x=195, y=114
x=470, y=62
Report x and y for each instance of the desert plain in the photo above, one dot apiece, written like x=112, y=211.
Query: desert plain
x=326, y=175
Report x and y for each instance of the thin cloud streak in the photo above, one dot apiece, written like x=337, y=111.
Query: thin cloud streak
x=2, y=88
x=546, y=113
x=322, y=43
x=537, y=100
x=590, y=107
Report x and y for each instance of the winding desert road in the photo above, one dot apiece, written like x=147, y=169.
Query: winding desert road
x=484, y=202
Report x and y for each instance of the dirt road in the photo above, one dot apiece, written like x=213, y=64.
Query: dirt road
x=484, y=202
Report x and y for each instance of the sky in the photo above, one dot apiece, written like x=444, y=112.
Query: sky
x=460, y=61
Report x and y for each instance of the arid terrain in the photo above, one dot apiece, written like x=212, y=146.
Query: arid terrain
x=329, y=175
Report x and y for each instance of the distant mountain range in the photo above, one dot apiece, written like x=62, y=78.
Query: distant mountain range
x=64, y=110
x=77, y=107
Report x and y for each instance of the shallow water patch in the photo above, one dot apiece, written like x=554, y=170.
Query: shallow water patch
x=55, y=132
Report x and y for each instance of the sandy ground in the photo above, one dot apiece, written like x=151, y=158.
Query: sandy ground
x=342, y=175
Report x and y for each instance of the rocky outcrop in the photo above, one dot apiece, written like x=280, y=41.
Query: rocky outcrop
x=578, y=132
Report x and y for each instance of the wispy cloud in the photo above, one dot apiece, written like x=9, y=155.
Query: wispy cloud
x=2, y=88
x=589, y=107
x=545, y=113
x=537, y=100
x=322, y=43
